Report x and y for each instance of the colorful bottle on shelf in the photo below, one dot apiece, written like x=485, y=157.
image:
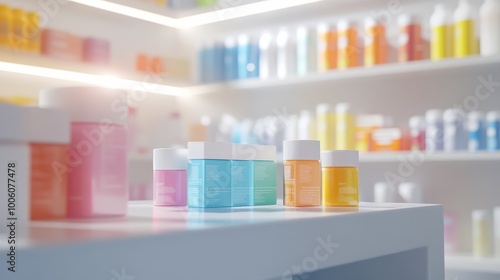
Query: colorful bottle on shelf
x=325, y=122
x=243, y=56
x=489, y=15
x=441, y=33
x=19, y=41
x=434, y=130
x=302, y=173
x=349, y=49
x=464, y=35
x=5, y=26
x=481, y=228
x=170, y=177
x=493, y=131
x=375, y=42
x=209, y=174
x=476, y=131
x=97, y=166
x=417, y=133
x=411, y=45
x=230, y=59
x=454, y=133
x=327, y=47
x=33, y=32
x=340, y=178
x=344, y=127
x=49, y=131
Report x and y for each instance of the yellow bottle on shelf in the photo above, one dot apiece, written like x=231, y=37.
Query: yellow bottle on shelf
x=441, y=33
x=465, y=39
x=19, y=37
x=5, y=26
x=33, y=33
x=340, y=178
x=325, y=122
x=344, y=127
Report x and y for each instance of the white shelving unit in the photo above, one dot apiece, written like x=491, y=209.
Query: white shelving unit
x=374, y=241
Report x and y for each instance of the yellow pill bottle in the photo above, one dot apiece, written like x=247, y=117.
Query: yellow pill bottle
x=340, y=178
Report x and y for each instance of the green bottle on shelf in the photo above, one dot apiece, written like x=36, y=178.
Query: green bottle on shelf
x=206, y=3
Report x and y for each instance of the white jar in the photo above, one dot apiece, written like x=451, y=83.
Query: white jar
x=489, y=31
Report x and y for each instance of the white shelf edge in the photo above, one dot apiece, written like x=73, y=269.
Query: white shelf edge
x=148, y=12
x=389, y=69
x=470, y=263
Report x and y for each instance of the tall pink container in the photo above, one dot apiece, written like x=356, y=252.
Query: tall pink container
x=97, y=164
x=170, y=177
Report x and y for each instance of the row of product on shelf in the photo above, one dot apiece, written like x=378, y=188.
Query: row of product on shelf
x=327, y=46
x=340, y=129
x=217, y=174
x=186, y=4
x=21, y=31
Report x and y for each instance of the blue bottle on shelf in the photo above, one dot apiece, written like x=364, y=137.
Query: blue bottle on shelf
x=218, y=70
x=253, y=65
x=243, y=56
x=493, y=131
x=230, y=60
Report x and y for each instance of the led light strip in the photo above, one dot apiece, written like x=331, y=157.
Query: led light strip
x=217, y=15
x=99, y=80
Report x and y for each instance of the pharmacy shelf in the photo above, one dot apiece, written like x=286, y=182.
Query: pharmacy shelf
x=383, y=241
x=197, y=17
x=376, y=157
x=43, y=67
x=392, y=71
x=473, y=264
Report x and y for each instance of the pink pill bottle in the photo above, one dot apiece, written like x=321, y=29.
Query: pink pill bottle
x=170, y=177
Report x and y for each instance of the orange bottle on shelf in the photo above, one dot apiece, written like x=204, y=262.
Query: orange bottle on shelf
x=411, y=44
x=142, y=63
x=327, y=47
x=19, y=39
x=375, y=42
x=340, y=178
x=49, y=139
x=5, y=26
x=302, y=173
x=33, y=33
x=349, y=49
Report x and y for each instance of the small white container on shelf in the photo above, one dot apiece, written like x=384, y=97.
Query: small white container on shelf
x=489, y=31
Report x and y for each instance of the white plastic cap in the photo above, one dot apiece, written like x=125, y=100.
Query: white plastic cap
x=480, y=214
x=210, y=150
x=383, y=193
x=265, y=40
x=451, y=115
x=493, y=116
x=282, y=37
x=301, y=150
x=342, y=108
x=340, y=158
x=411, y=192
x=371, y=22
x=475, y=116
x=254, y=152
x=170, y=159
x=345, y=24
x=407, y=19
x=230, y=42
x=13, y=120
x=48, y=125
x=324, y=27
x=88, y=104
x=417, y=123
x=433, y=116
x=323, y=108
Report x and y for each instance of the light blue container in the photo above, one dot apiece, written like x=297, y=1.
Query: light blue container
x=209, y=174
x=230, y=60
x=219, y=66
x=243, y=56
x=253, y=66
x=477, y=131
x=203, y=61
x=254, y=171
x=493, y=131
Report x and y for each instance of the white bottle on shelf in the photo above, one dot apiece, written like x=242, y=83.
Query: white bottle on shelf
x=285, y=54
x=306, y=126
x=411, y=192
x=383, y=193
x=454, y=133
x=434, y=130
x=489, y=32
x=267, y=56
